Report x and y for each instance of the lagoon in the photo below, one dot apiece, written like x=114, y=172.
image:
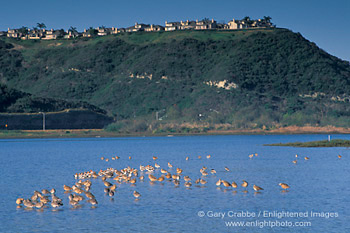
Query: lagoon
x=319, y=186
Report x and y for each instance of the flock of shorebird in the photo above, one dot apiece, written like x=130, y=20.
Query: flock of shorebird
x=127, y=175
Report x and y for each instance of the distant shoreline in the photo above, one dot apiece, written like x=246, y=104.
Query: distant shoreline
x=97, y=133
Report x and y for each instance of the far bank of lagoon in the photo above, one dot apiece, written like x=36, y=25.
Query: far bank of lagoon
x=91, y=133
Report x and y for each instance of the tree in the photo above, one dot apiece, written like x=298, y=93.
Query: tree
x=24, y=30
x=72, y=29
x=41, y=25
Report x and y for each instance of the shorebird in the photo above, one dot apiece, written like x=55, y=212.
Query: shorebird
x=295, y=161
x=251, y=156
x=155, y=158
x=197, y=181
x=45, y=191
x=152, y=178
x=102, y=158
x=225, y=183
x=218, y=183
x=234, y=184
x=67, y=188
x=28, y=203
x=19, y=201
x=227, y=169
x=257, y=188
x=117, y=157
x=203, y=181
x=39, y=205
x=129, y=157
x=339, y=156
x=176, y=182
x=188, y=184
x=107, y=184
x=161, y=178
x=213, y=171
x=306, y=158
x=136, y=194
x=244, y=184
x=92, y=201
x=168, y=176
x=208, y=156
x=187, y=178
x=156, y=165
x=186, y=158
x=169, y=165
x=163, y=171
x=199, y=157
x=296, y=156
x=284, y=185
x=178, y=170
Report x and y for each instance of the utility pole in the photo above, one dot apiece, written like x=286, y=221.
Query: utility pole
x=43, y=120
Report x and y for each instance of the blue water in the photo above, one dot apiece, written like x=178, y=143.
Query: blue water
x=320, y=184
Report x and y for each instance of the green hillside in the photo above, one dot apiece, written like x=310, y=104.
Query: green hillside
x=270, y=77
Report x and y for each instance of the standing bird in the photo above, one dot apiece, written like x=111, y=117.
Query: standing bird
x=339, y=156
x=234, y=185
x=306, y=158
x=284, y=185
x=227, y=169
x=155, y=158
x=136, y=194
x=244, y=184
x=257, y=188
x=218, y=183
x=295, y=161
x=225, y=183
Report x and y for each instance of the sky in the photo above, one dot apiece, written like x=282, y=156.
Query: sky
x=324, y=22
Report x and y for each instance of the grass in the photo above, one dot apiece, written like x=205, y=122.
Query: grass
x=324, y=143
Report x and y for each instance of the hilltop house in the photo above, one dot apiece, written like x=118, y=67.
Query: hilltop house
x=71, y=34
x=172, y=26
x=154, y=28
x=137, y=27
x=205, y=24
x=14, y=33
x=53, y=34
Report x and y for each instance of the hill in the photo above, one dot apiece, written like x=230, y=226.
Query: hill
x=238, y=79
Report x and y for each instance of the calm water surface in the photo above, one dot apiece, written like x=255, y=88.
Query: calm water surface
x=320, y=184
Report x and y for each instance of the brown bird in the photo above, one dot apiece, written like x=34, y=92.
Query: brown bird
x=19, y=201
x=218, y=183
x=188, y=184
x=234, y=184
x=257, y=188
x=227, y=169
x=136, y=194
x=339, y=156
x=208, y=156
x=155, y=158
x=225, y=183
x=199, y=157
x=244, y=184
x=284, y=185
x=152, y=178
x=107, y=184
x=203, y=181
x=186, y=158
x=306, y=158
x=295, y=162
x=161, y=178
x=66, y=188
x=169, y=165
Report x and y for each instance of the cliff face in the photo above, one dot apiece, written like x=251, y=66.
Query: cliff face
x=247, y=78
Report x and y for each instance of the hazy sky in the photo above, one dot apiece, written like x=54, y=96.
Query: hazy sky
x=325, y=22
